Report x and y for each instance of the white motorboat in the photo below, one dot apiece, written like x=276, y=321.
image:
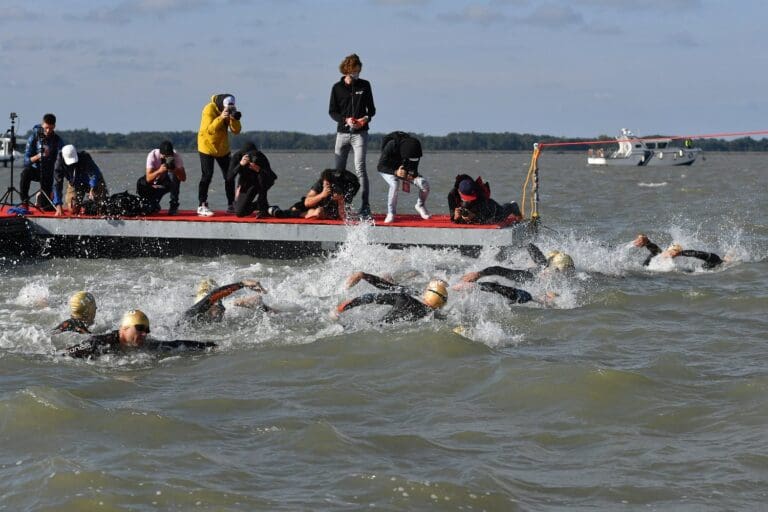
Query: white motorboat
x=5, y=153
x=634, y=151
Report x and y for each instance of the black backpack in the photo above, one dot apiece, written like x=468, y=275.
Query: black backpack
x=126, y=204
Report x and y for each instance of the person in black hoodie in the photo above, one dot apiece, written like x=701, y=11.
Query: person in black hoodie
x=255, y=179
x=469, y=202
x=352, y=108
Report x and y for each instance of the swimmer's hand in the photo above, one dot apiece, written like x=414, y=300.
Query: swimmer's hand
x=253, y=285
x=470, y=277
x=640, y=241
x=354, y=279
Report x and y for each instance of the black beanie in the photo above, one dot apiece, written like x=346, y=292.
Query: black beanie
x=410, y=148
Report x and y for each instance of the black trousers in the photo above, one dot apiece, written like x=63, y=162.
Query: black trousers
x=206, y=167
x=245, y=204
x=170, y=184
x=30, y=174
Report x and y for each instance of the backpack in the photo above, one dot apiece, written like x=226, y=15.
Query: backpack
x=397, y=136
x=126, y=204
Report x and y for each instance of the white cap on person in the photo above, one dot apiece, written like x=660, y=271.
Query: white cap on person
x=69, y=154
x=229, y=100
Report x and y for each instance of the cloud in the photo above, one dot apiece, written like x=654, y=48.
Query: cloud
x=479, y=14
x=554, y=17
x=128, y=10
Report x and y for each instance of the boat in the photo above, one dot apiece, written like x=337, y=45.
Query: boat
x=651, y=152
x=6, y=154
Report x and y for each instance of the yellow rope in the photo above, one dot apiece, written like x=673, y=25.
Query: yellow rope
x=533, y=169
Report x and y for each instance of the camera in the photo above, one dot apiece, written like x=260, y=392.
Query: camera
x=170, y=162
x=13, y=116
x=233, y=112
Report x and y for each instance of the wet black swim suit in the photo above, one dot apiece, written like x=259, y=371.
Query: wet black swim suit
x=72, y=325
x=109, y=343
x=508, y=273
x=404, y=307
x=514, y=295
x=383, y=284
x=654, y=249
x=210, y=308
x=710, y=259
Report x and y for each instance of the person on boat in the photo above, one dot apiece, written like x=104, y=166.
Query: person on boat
x=469, y=202
x=220, y=116
x=255, y=179
x=82, y=307
x=399, y=163
x=163, y=174
x=208, y=306
x=131, y=336
x=326, y=199
x=710, y=260
x=43, y=147
x=405, y=307
x=83, y=178
x=352, y=107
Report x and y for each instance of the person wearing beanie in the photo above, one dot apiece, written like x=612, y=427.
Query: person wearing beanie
x=131, y=336
x=163, y=174
x=469, y=202
x=255, y=179
x=84, y=179
x=351, y=106
x=82, y=307
x=219, y=117
x=399, y=165
x=405, y=307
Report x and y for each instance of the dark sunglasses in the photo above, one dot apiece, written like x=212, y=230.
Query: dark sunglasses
x=141, y=328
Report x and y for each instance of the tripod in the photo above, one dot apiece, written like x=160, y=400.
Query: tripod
x=7, y=197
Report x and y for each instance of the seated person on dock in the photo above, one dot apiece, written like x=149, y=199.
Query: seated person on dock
x=399, y=164
x=710, y=259
x=208, y=306
x=326, y=199
x=82, y=306
x=469, y=202
x=83, y=177
x=404, y=306
x=132, y=335
x=255, y=179
x=164, y=173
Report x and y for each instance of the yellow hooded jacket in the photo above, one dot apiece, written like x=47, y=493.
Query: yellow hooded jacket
x=212, y=138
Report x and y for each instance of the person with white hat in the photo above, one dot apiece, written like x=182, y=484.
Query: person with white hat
x=84, y=179
x=219, y=117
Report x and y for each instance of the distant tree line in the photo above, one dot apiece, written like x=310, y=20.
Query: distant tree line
x=297, y=141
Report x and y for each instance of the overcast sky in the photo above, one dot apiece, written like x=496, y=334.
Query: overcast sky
x=569, y=68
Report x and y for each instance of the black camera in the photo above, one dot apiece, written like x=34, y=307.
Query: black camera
x=170, y=162
x=13, y=116
x=233, y=112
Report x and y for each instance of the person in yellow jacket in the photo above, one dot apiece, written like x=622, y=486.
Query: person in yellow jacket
x=218, y=118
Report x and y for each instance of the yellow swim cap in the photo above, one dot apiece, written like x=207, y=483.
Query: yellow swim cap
x=552, y=254
x=205, y=287
x=436, y=294
x=561, y=262
x=134, y=317
x=82, y=305
x=675, y=248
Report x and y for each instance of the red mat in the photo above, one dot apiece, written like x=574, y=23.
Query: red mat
x=403, y=221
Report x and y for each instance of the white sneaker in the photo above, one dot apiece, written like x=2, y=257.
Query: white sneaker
x=389, y=219
x=204, y=211
x=423, y=212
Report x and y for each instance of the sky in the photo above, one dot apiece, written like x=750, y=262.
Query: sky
x=576, y=68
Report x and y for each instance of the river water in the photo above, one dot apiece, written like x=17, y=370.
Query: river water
x=640, y=389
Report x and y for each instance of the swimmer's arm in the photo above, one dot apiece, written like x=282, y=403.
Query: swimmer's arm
x=512, y=294
x=710, y=259
x=368, y=298
x=507, y=273
x=380, y=282
x=178, y=344
x=654, y=249
x=537, y=256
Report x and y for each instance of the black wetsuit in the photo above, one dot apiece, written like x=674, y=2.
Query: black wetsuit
x=508, y=273
x=72, y=325
x=210, y=308
x=514, y=295
x=109, y=343
x=404, y=306
x=710, y=260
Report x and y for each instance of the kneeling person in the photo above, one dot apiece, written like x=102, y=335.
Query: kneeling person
x=327, y=197
x=83, y=177
x=132, y=335
x=255, y=179
x=164, y=174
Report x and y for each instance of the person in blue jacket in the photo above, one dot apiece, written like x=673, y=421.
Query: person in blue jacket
x=43, y=147
x=83, y=176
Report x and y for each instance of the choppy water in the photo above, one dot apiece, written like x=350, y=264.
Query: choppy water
x=642, y=389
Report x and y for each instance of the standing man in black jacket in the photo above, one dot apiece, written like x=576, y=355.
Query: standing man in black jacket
x=352, y=108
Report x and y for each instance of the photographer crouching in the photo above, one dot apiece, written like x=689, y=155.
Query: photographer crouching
x=255, y=179
x=326, y=199
x=164, y=174
x=84, y=179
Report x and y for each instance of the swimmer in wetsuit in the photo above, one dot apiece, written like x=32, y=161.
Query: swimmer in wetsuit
x=710, y=259
x=82, y=306
x=404, y=306
x=132, y=335
x=208, y=306
x=556, y=261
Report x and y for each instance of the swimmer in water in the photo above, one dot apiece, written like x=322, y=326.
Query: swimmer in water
x=710, y=260
x=405, y=307
x=82, y=307
x=131, y=336
x=208, y=306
